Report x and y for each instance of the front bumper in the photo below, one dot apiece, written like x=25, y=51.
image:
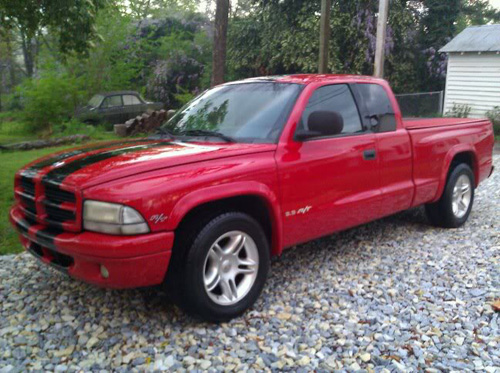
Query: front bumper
x=131, y=261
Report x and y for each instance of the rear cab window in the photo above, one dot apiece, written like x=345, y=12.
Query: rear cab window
x=130, y=100
x=112, y=101
x=378, y=106
x=338, y=98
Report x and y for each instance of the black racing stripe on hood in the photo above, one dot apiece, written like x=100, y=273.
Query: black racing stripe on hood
x=60, y=157
x=57, y=175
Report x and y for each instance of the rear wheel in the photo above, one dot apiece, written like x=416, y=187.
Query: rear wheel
x=454, y=207
x=224, y=269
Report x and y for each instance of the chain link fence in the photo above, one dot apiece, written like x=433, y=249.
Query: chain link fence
x=421, y=105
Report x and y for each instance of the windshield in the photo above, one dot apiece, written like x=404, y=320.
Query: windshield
x=246, y=112
x=96, y=100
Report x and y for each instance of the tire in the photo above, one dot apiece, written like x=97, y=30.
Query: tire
x=206, y=281
x=447, y=212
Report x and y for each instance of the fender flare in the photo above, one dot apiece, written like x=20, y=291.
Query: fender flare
x=460, y=148
x=233, y=189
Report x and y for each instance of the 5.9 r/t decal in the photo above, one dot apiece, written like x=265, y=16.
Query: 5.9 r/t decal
x=301, y=211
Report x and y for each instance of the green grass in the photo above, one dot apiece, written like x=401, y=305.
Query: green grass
x=12, y=130
x=11, y=162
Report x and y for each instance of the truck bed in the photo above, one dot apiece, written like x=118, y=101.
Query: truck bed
x=419, y=123
x=435, y=141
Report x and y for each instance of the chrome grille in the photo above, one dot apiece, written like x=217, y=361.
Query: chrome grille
x=28, y=186
x=59, y=204
x=47, y=203
x=56, y=213
x=27, y=195
x=56, y=195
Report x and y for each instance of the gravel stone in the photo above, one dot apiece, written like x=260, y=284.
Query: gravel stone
x=392, y=295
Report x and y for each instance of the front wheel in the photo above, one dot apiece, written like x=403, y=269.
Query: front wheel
x=225, y=268
x=453, y=208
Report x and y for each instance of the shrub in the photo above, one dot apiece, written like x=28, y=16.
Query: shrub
x=459, y=111
x=12, y=102
x=12, y=129
x=169, y=76
x=494, y=116
x=48, y=100
x=184, y=97
x=75, y=127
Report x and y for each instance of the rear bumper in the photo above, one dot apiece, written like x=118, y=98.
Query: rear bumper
x=131, y=261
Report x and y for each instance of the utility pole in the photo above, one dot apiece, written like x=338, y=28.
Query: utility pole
x=383, y=10
x=324, y=36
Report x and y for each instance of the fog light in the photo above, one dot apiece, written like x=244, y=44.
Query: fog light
x=104, y=272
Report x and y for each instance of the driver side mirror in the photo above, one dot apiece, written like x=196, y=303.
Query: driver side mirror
x=320, y=124
x=374, y=120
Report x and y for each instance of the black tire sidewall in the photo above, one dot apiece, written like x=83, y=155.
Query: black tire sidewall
x=196, y=300
x=447, y=202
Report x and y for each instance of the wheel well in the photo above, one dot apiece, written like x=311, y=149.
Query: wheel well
x=252, y=205
x=465, y=157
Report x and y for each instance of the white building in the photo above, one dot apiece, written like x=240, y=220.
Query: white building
x=473, y=76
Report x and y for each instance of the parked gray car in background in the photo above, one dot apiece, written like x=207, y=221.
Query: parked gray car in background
x=115, y=107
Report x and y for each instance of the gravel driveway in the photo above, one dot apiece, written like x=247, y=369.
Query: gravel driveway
x=393, y=294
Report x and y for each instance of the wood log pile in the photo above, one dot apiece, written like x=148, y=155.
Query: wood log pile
x=145, y=123
x=39, y=144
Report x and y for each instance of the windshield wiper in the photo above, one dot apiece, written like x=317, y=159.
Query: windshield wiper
x=165, y=132
x=209, y=134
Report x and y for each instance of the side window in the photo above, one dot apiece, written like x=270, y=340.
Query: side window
x=336, y=98
x=377, y=103
x=112, y=101
x=131, y=100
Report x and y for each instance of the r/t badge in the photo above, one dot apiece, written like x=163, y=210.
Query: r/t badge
x=158, y=218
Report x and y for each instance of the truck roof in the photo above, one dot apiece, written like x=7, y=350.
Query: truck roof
x=310, y=78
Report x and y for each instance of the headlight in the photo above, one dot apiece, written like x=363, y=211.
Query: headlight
x=112, y=218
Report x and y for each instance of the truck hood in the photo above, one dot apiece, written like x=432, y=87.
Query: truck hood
x=102, y=162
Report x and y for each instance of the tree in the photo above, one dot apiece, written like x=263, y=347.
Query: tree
x=70, y=21
x=220, y=39
x=140, y=9
x=477, y=12
x=280, y=37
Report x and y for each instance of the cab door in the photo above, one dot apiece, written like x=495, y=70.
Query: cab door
x=111, y=109
x=329, y=183
x=393, y=146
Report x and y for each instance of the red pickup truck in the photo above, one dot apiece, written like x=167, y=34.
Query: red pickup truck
x=240, y=173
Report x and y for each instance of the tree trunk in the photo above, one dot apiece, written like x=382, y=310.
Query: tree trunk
x=220, y=38
x=29, y=53
x=11, y=62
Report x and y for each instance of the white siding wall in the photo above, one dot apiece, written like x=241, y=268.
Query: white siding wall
x=473, y=79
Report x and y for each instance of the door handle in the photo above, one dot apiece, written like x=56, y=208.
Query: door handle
x=369, y=154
